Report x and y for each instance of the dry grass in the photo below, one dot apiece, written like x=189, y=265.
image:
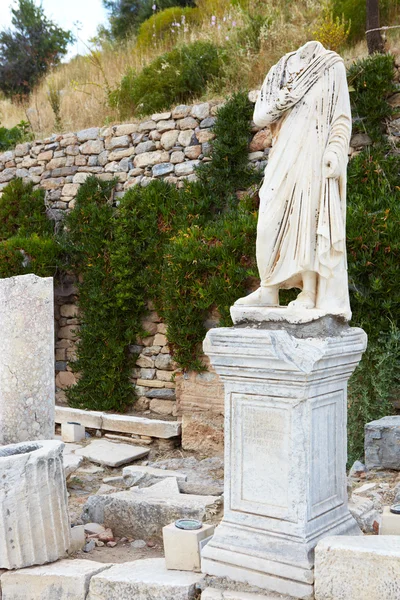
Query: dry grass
x=84, y=82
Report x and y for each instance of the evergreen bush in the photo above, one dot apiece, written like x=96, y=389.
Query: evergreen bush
x=371, y=81
x=173, y=78
x=9, y=138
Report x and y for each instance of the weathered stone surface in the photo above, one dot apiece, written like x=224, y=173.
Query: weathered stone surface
x=147, y=126
x=193, y=152
x=200, y=111
x=182, y=548
x=163, y=126
x=71, y=464
x=62, y=580
x=92, y=419
x=107, y=453
x=187, y=123
x=141, y=426
x=144, y=579
x=365, y=513
x=169, y=139
x=357, y=568
x=120, y=141
x=185, y=137
x=262, y=140
x=161, y=116
x=162, y=169
x=148, y=146
x=181, y=111
x=277, y=484
x=177, y=157
x=186, y=168
x=165, y=362
x=224, y=594
x=162, y=407
x=203, y=477
x=148, y=159
x=88, y=134
x=382, y=443
x=138, y=475
x=27, y=333
x=34, y=528
x=92, y=147
x=165, y=393
x=143, y=512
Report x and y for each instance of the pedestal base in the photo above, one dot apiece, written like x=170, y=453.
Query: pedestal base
x=285, y=451
x=279, y=565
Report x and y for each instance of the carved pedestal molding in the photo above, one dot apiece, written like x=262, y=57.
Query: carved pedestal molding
x=26, y=359
x=34, y=524
x=285, y=450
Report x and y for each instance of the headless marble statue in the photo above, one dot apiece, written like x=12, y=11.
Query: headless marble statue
x=301, y=232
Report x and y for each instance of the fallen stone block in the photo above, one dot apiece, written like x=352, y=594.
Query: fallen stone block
x=146, y=476
x=143, y=512
x=144, y=579
x=204, y=477
x=382, y=443
x=364, y=512
x=390, y=524
x=107, y=453
x=358, y=568
x=62, y=580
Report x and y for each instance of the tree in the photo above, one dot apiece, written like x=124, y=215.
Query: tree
x=374, y=38
x=127, y=15
x=28, y=50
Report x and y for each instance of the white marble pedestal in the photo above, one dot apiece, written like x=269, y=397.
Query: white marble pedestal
x=285, y=449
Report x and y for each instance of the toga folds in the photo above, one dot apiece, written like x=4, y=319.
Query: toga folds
x=302, y=216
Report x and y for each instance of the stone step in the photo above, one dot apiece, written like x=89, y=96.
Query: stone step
x=147, y=578
x=358, y=568
x=120, y=423
x=223, y=594
x=62, y=580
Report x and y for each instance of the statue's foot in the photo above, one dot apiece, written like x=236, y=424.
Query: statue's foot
x=304, y=300
x=264, y=296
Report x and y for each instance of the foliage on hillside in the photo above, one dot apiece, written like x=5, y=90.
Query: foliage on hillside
x=30, y=49
x=27, y=244
x=173, y=78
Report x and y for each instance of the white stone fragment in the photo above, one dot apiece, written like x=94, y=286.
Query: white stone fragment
x=182, y=547
x=26, y=359
x=143, y=579
x=62, y=580
x=71, y=464
x=34, y=528
x=358, y=568
x=107, y=453
x=139, y=475
x=72, y=432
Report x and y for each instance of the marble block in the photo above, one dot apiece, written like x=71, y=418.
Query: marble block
x=26, y=359
x=34, y=528
x=182, y=547
x=382, y=443
x=285, y=451
x=348, y=568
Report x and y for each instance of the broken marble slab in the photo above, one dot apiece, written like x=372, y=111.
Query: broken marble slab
x=142, y=579
x=138, y=475
x=71, y=464
x=61, y=580
x=143, y=512
x=204, y=477
x=107, y=453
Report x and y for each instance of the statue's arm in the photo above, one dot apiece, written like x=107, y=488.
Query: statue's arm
x=271, y=101
x=336, y=153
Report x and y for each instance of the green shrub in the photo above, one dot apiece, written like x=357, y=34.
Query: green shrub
x=373, y=244
x=371, y=80
x=165, y=25
x=176, y=76
x=9, y=138
x=157, y=245
x=22, y=211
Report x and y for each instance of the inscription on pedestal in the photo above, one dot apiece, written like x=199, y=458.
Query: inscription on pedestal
x=261, y=461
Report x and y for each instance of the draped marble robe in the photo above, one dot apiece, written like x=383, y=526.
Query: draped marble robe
x=302, y=216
